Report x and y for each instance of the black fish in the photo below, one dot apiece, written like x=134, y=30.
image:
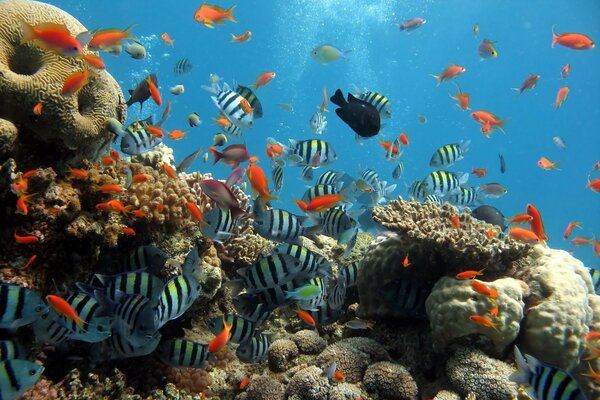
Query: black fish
x=188, y=161
x=141, y=93
x=183, y=66
x=359, y=115
x=491, y=215
x=502, y=163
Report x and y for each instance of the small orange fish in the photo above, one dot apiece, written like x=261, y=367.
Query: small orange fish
x=110, y=188
x=167, y=39
x=451, y=72
x=108, y=160
x=20, y=186
x=323, y=107
x=274, y=150
x=78, y=173
x=29, y=239
x=195, y=211
x=592, y=336
x=389, y=147
x=222, y=120
x=528, y=84
x=570, y=228
x=221, y=339
x=479, y=172
x=128, y=231
x=523, y=235
x=52, y=37
x=246, y=106
x=564, y=73
x=93, y=60
x=405, y=262
x=209, y=15
x=403, y=139
x=244, y=383
x=169, y=171
x=63, y=308
x=176, y=134
x=29, y=262
x=483, y=289
x=455, y=222
x=154, y=92
x=488, y=120
x=321, y=203
x=561, y=96
x=264, y=79
x=106, y=39
x=37, y=109
x=304, y=316
x=139, y=178
x=138, y=213
x=244, y=37
x=22, y=203
x=580, y=241
x=160, y=207
x=117, y=206
x=470, y=274
x=546, y=164
x=594, y=352
x=259, y=184
x=520, y=219
x=536, y=224
x=594, y=185
x=490, y=233
x=483, y=321
x=74, y=82
x=114, y=155
x=494, y=311
x=462, y=98
x=338, y=376
x=575, y=41
x=155, y=131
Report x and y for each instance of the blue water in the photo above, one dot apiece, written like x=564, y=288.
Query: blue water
x=397, y=64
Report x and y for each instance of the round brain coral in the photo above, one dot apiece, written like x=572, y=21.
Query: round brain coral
x=73, y=125
x=390, y=381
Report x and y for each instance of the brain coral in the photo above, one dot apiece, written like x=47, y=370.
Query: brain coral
x=73, y=125
x=308, y=384
x=390, y=381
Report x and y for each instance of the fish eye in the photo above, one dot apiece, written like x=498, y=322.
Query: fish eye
x=39, y=308
x=32, y=372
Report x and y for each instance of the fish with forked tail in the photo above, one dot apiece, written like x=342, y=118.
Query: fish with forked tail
x=359, y=115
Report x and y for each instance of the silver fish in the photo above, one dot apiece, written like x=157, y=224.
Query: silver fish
x=136, y=50
x=318, y=123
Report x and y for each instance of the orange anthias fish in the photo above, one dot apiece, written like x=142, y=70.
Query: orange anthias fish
x=546, y=164
x=592, y=336
x=37, y=109
x=304, y=316
x=523, y=234
x=139, y=178
x=110, y=188
x=575, y=41
x=139, y=213
x=536, y=223
x=221, y=339
x=264, y=79
x=155, y=131
x=167, y=39
x=259, y=184
x=470, y=274
x=108, y=160
x=29, y=239
x=520, y=219
x=52, y=37
x=63, y=308
x=387, y=145
x=405, y=262
x=564, y=73
x=321, y=203
x=451, y=72
x=462, y=98
x=403, y=138
x=479, y=172
x=246, y=106
x=176, y=134
x=455, y=222
x=22, y=203
x=169, y=171
x=222, y=120
x=561, y=96
x=195, y=211
x=209, y=14
x=494, y=311
x=338, y=376
x=483, y=289
x=29, y=262
x=570, y=228
x=128, y=231
x=594, y=185
x=489, y=119
x=117, y=206
x=93, y=60
x=529, y=83
x=323, y=108
x=154, y=92
x=75, y=82
x=244, y=383
x=580, y=241
x=483, y=321
x=244, y=37
x=107, y=38
x=274, y=150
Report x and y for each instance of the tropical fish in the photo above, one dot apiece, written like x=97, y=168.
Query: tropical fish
x=19, y=306
x=523, y=235
x=575, y=41
x=546, y=164
x=194, y=119
x=377, y=100
x=222, y=196
x=418, y=190
x=449, y=154
x=118, y=347
x=269, y=272
x=479, y=172
x=502, y=163
x=254, y=349
x=141, y=93
x=493, y=190
x=229, y=103
x=359, y=324
x=311, y=295
x=107, y=38
x=336, y=294
x=407, y=296
x=232, y=155
x=487, y=50
x=218, y=224
x=144, y=257
x=242, y=329
x=177, y=90
x=209, y=15
x=570, y=227
x=528, y=84
x=18, y=376
x=362, y=117
x=277, y=176
x=327, y=53
x=264, y=79
x=491, y=215
x=133, y=317
x=451, y=72
x=444, y=183
x=466, y=197
x=221, y=339
x=244, y=37
x=136, y=50
x=249, y=95
x=75, y=82
x=183, y=353
x=476, y=30
x=309, y=152
x=312, y=263
x=133, y=282
x=536, y=223
x=280, y=225
x=398, y=170
x=182, y=67
x=462, y=98
x=93, y=60
x=259, y=184
x=411, y=24
x=53, y=37
x=307, y=173
x=188, y=161
x=322, y=203
x=349, y=274
x=564, y=73
x=318, y=123
x=520, y=219
x=561, y=96
x=483, y=321
x=178, y=294
x=559, y=142
x=488, y=120
x=286, y=107
x=166, y=38
x=433, y=199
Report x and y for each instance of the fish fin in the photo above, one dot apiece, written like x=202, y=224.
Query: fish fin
x=352, y=99
x=437, y=78
x=84, y=38
x=345, y=53
x=211, y=89
x=216, y=154
x=229, y=14
x=28, y=31
x=554, y=36
x=338, y=99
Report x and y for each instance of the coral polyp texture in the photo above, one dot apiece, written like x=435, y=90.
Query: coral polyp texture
x=72, y=126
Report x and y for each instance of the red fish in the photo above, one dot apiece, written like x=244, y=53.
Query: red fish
x=233, y=154
x=107, y=38
x=523, y=235
x=546, y=164
x=389, y=147
x=195, y=211
x=484, y=290
x=405, y=262
x=580, y=241
x=494, y=311
x=483, y=321
x=244, y=37
x=176, y=134
x=321, y=203
x=138, y=213
x=154, y=92
x=22, y=203
x=29, y=262
x=244, y=383
x=462, y=98
x=110, y=188
x=169, y=171
x=29, y=239
x=221, y=339
x=259, y=184
x=264, y=79
x=63, y=308
x=274, y=150
x=128, y=231
x=155, y=131
x=323, y=108
x=520, y=219
x=489, y=119
x=403, y=139
x=306, y=317
x=52, y=37
x=167, y=39
x=246, y=106
x=139, y=178
x=108, y=160
x=561, y=96
x=529, y=83
x=209, y=14
x=594, y=185
x=570, y=228
x=74, y=82
x=564, y=73
x=469, y=274
x=479, y=172
x=575, y=41
x=93, y=60
x=451, y=72
x=37, y=109
x=455, y=222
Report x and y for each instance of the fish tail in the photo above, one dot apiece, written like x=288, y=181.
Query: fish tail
x=338, y=98
x=233, y=37
x=216, y=154
x=28, y=31
x=517, y=89
x=229, y=13
x=127, y=33
x=237, y=212
x=501, y=125
x=301, y=204
x=554, y=36
x=437, y=78
x=264, y=198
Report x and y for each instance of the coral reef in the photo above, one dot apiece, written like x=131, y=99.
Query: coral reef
x=263, y=388
x=309, y=342
x=308, y=384
x=470, y=370
x=161, y=154
x=390, y=381
x=453, y=301
x=282, y=354
x=69, y=126
x=244, y=249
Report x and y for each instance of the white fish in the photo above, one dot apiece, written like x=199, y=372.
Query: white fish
x=559, y=142
x=177, y=90
x=318, y=123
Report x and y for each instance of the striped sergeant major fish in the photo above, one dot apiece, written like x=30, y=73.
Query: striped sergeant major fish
x=312, y=152
x=147, y=257
x=275, y=296
x=136, y=140
x=417, y=191
x=242, y=328
x=183, y=353
x=449, y=154
x=444, y=183
x=406, y=296
x=178, y=294
x=17, y=376
x=281, y=226
x=135, y=282
x=318, y=123
x=330, y=177
x=219, y=224
x=307, y=173
x=10, y=350
x=377, y=100
x=254, y=349
x=19, y=306
x=96, y=324
x=268, y=272
x=325, y=315
x=595, y=274
x=320, y=190
x=398, y=170
x=349, y=274
x=133, y=317
x=315, y=302
x=339, y=225
x=311, y=263
x=249, y=306
x=467, y=196
x=117, y=347
x=336, y=294
x=232, y=130
x=370, y=177
x=433, y=199
x=543, y=381
x=48, y=329
x=277, y=174
x=249, y=95
x=183, y=66
x=230, y=104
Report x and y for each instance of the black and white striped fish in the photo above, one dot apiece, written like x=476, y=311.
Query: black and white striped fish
x=232, y=130
x=118, y=347
x=336, y=294
x=218, y=225
x=96, y=324
x=320, y=190
x=330, y=178
x=315, y=302
x=10, y=350
x=133, y=318
x=183, y=353
x=136, y=140
x=19, y=306
x=312, y=152
x=339, y=225
x=277, y=175
x=466, y=196
x=147, y=257
x=280, y=225
x=254, y=349
x=269, y=272
x=307, y=173
x=249, y=306
x=398, y=170
x=183, y=66
x=371, y=177
x=178, y=294
x=318, y=123
x=249, y=95
x=311, y=263
x=417, y=191
x=47, y=329
x=135, y=282
x=444, y=183
x=406, y=296
x=242, y=328
x=325, y=315
x=449, y=154
x=230, y=104
x=17, y=376
x=433, y=199
x=377, y=100
x=349, y=274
